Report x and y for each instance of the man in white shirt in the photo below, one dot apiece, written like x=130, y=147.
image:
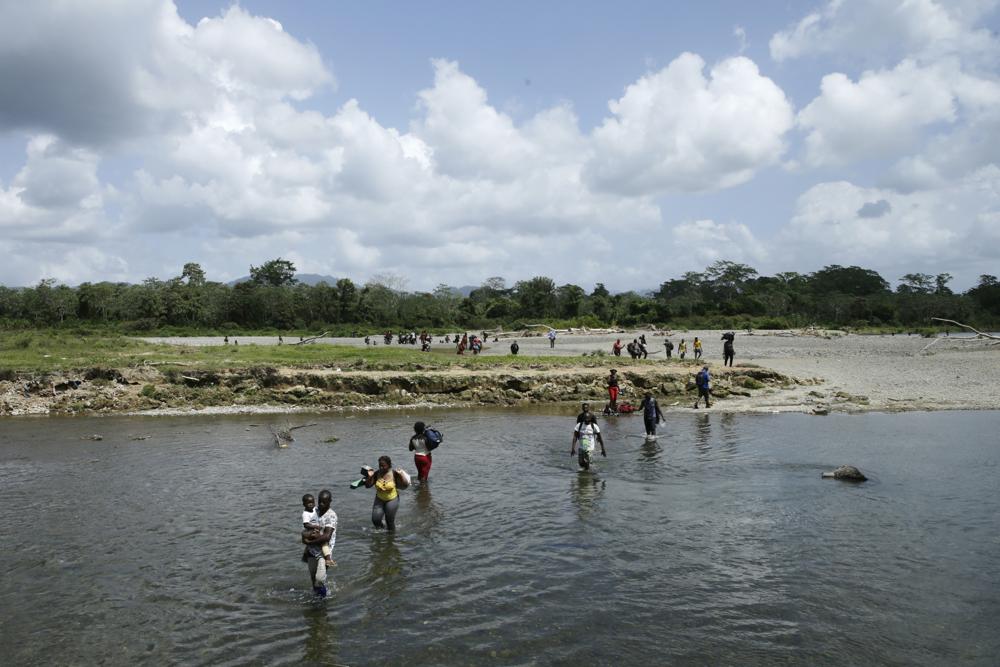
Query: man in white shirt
x=326, y=519
x=586, y=432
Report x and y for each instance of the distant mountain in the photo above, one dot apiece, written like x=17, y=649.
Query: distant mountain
x=304, y=278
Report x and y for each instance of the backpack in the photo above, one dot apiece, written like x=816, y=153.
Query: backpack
x=433, y=438
x=701, y=379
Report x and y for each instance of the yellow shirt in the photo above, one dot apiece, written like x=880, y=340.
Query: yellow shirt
x=385, y=488
x=697, y=345
x=682, y=347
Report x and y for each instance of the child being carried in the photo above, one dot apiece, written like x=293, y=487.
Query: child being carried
x=311, y=529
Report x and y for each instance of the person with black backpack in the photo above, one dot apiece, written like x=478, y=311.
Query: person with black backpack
x=423, y=441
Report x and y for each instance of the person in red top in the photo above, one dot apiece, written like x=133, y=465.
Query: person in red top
x=613, y=390
x=616, y=349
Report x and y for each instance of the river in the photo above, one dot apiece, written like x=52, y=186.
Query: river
x=174, y=540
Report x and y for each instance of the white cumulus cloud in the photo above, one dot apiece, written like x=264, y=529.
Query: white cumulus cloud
x=678, y=130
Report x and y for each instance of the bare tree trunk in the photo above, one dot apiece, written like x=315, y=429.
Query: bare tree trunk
x=978, y=333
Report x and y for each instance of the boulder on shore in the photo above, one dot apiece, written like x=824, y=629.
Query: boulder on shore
x=849, y=473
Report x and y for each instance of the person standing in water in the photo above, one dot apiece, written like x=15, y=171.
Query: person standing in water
x=312, y=556
x=682, y=349
x=514, y=347
x=669, y=347
x=552, y=338
x=386, y=496
x=697, y=348
x=651, y=415
x=587, y=433
x=421, y=454
x=613, y=390
x=728, y=351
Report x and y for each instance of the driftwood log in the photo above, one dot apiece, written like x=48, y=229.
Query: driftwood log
x=283, y=436
x=309, y=340
x=979, y=334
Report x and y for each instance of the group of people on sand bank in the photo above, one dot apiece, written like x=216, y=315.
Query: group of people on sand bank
x=319, y=521
x=703, y=383
x=638, y=348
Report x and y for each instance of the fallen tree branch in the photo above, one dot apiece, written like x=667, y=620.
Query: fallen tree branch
x=924, y=348
x=301, y=426
x=966, y=326
x=309, y=340
x=283, y=437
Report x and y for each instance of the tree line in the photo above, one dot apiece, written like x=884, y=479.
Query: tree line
x=724, y=295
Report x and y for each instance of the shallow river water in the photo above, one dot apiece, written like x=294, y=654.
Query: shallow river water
x=717, y=544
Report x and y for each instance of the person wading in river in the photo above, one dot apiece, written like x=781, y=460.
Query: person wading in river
x=586, y=433
x=421, y=453
x=312, y=556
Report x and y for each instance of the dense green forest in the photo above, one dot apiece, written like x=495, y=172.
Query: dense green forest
x=724, y=295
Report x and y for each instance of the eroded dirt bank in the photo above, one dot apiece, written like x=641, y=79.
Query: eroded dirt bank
x=149, y=389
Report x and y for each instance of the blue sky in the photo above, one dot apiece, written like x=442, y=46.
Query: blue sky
x=449, y=142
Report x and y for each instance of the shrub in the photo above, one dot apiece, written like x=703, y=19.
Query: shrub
x=22, y=342
x=149, y=391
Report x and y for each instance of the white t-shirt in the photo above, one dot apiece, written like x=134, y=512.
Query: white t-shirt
x=328, y=520
x=420, y=445
x=588, y=435
x=307, y=516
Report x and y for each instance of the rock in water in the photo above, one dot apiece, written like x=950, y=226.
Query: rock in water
x=849, y=473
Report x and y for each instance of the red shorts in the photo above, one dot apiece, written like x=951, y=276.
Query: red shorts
x=423, y=464
x=613, y=393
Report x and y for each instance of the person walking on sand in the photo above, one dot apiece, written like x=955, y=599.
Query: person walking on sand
x=728, y=351
x=697, y=348
x=613, y=390
x=421, y=452
x=704, y=383
x=682, y=348
x=586, y=433
x=651, y=414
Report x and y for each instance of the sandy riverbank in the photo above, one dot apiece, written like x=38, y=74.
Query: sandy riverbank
x=837, y=372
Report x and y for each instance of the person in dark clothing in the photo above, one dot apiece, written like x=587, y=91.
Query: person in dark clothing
x=514, y=347
x=669, y=347
x=704, y=383
x=651, y=414
x=728, y=351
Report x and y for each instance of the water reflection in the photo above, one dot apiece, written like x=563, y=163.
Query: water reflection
x=426, y=515
x=321, y=639
x=650, y=451
x=703, y=435
x=730, y=434
x=584, y=490
x=386, y=568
